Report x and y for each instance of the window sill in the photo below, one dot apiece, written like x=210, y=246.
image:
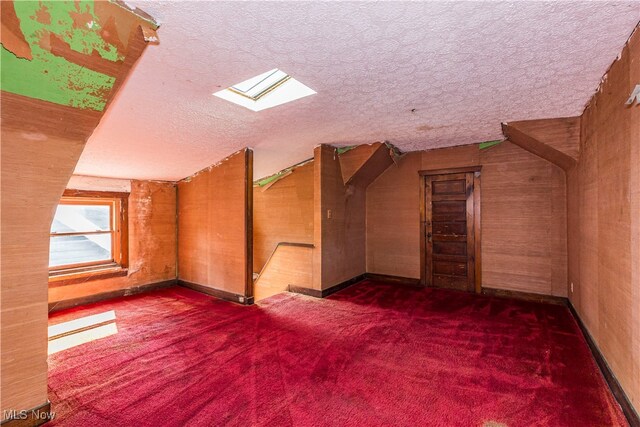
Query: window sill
x=63, y=278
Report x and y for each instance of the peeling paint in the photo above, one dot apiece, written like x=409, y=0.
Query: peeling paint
x=11, y=35
x=342, y=150
x=489, y=144
x=272, y=179
x=53, y=78
x=75, y=52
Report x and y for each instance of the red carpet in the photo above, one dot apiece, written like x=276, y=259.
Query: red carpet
x=371, y=355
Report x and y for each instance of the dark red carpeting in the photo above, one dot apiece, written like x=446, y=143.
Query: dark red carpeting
x=372, y=355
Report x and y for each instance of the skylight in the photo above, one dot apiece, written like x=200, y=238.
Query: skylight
x=267, y=90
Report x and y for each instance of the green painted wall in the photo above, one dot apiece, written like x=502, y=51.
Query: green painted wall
x=52, y=78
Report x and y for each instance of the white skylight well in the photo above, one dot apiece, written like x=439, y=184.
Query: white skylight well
x=267, y=90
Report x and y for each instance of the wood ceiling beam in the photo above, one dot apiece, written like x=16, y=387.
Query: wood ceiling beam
x=364, y=163
x=515, y=133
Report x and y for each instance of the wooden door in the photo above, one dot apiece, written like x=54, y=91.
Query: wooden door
x=450, y=231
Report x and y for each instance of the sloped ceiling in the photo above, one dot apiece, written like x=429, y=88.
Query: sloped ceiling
x=420, y=75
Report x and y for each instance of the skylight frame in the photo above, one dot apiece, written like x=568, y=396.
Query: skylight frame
x=266, y=90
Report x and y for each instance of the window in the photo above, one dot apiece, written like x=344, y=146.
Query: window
x=266, y=90
x=88, y=234
x=261, y=85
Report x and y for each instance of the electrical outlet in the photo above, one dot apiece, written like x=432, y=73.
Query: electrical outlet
x=329, y=213
x=571, y=287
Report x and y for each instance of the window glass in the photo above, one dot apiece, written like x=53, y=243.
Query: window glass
x=79, y=249
x=81, y=218
x=82, y=234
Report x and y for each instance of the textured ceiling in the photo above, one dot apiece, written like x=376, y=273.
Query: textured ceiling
x=463, y=66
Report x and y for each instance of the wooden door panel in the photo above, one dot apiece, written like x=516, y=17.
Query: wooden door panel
x=450, y=268
x=449, y=248
x=449, y=222
x=450, y=282
x=450, y=258
x=457, y=228
x=449, y=187
x=446, y=208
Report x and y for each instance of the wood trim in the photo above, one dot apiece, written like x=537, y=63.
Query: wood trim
x=248, y=223
x=428, y=230
x=124, y=232
x=89, y=299
x=340, y=286
x=397, y=280
x=79, y=233
x=30, y=417
x=326, y=292
x=300, y=245
x=86, y=276
x=525, y=296
x=477, y=223
x=616, y=389
x=69, y=192
x=540, y=149
x=449, y=171
x=305, y=291
x=471, y=230
x=477, y=226
x=218, y=293
x=423, y=231
x=119, y=201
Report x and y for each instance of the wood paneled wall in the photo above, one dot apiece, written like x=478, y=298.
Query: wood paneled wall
x=289, y=265
x=39, y=153
x=339, y=217
x=41, y=144
x=282, y=213
x=215, y=228
x=152, y=243
x=604, y=218
x=321, y=202
x=523, y=217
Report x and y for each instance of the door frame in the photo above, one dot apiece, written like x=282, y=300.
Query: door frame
x=477, y=232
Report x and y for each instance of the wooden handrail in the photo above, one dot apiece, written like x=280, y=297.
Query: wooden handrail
x=301, y=245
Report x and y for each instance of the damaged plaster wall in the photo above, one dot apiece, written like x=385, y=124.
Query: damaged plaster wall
x=152, y=240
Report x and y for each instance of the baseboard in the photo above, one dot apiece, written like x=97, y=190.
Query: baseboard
x=30, y=417
x=526, y=296
x=218, y=293
x=89, y=299
x=326, y=292
x=407, y=281
x=305, y=291
x=610, y=378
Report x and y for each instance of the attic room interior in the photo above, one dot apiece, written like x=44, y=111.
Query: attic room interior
x=320, y=213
